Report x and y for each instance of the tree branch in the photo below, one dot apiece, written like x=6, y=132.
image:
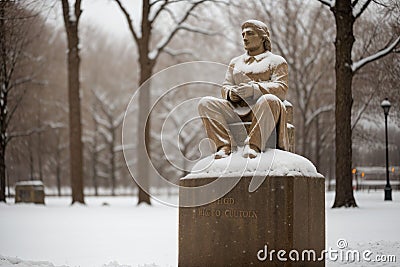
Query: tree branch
x=162, y=7
x=65, y=9
x=35, y=130
x=17, y=102
x=327, y=2
x=318, y=112
x=129, y=20
x=175, y=53
x=172, y=15
x=354, y=3
x=101, y=100
x=362, y=9
x=154, y=54
x=361, y=63
x=362, y=110
x=78, y=10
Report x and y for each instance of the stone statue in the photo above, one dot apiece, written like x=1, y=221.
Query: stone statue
x=255, y=85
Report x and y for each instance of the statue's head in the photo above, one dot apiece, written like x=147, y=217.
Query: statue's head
x=261, y=37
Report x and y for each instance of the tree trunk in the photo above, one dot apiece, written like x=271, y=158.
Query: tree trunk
x=94, y=169
x=95, y=153
x=39, y=150
x=146, y=69
x=31, y=164
x=112, y=162
x=144, y=134
x=2, y=172
x=94, y=177
x=75, y=130
x=3, y=106
x=58, y=164
x=344, y=75
x=303, y=133
x=3, y=144
x=58, y=177
x=317, y=144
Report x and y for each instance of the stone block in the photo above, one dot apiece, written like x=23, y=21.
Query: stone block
x=29, y=192
x=284, y=213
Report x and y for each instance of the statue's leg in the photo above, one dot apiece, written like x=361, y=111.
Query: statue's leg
x=216, y=114
x=266, y=114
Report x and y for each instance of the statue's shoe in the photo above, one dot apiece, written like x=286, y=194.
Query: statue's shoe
x=251, y=151
x=223, y=152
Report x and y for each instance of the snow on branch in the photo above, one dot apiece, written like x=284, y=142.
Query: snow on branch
x=362, y=9
x=354, y=3
x=330, y=3
x=103, y=101
x=118, y=120
x=361, y=63
x=318, y=112
x=55, y=125
x=164, y=4
x=156, y=1
x=101, y=121
x=34, y=130
x=105, y=134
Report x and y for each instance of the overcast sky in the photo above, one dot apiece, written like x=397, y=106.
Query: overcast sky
x=103, y=13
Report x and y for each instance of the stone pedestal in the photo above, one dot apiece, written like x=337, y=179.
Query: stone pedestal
x=284, y=213
x=29, y=192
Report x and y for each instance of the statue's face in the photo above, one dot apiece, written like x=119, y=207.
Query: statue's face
x=251, y=40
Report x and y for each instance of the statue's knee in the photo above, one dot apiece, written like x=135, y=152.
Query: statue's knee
x=269, y=99
x=205, y=103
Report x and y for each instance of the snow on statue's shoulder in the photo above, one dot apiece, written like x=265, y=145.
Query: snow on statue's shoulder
x=273, y=162
x=263, y=62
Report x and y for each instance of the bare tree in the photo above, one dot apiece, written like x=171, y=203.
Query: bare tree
x=108, y=123
x=72, y=14
x=148, y=56
x=379, y=79
x=346, y=12
x=15, y=37
x=94, y=147
x=295, y=29
x=180, y=134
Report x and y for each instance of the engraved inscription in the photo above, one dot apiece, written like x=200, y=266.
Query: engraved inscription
x=226, y=201
x=241, y=213
x=228, y=212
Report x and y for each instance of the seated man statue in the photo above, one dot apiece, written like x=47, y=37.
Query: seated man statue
x=255, y=85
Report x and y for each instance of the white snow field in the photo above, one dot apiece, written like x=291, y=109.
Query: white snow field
x=120, y=233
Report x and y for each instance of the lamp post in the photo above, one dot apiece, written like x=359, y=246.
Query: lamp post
x=388, y=189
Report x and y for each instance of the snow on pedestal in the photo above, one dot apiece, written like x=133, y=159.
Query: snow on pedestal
x=273, y=162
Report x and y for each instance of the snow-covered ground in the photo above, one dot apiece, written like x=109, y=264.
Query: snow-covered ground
x=115, y=232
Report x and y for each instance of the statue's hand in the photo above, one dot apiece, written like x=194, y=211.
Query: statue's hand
x=233, y=96
x=245, y=90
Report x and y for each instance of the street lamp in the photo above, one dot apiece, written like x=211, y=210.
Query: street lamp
x=388, y=189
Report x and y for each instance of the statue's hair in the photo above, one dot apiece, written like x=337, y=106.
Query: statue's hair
x=261, y=29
